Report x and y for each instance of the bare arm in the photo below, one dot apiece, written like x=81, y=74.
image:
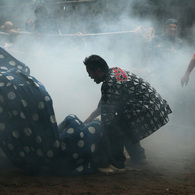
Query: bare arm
x=186, y=76
x=93, y=115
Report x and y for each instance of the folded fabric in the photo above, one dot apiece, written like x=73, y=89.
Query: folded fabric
x=79, y=143
x=29, y=134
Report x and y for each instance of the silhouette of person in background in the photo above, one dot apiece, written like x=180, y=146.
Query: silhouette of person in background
x=7, y=27
x=44, y=23
x=168, y=43
x=8, y=37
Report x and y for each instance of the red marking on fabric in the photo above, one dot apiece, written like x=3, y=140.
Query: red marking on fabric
x=120, y=74
x=194, y=55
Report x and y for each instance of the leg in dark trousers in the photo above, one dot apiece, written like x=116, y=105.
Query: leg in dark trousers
x=111, y=148
x=135, y=151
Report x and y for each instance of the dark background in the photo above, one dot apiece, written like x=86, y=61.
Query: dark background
x=69, y=13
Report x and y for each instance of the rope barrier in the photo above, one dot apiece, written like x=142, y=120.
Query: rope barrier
x=49, y=3
x=64, y=2
x=3, y=33
x=68, y=35
x=146, y=32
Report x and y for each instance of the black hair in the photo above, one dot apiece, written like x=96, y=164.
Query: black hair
x=94, y=62
x=41, y=9
x=171, y=21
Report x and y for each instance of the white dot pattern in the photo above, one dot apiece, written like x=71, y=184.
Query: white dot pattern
x=1, y=56
x=29, y=134
x=19, y=67
x=15, y=134
x=12, y=63
x=47, y=98
x=1, y=109
x=93, y=148
x=28, y=131
x=41, y=105
x=35, y=117
x=56, y=144
x=53, y=119
x=2, y=84
x=86, y=138
x=2, y=126
x=81, y=134
x=91, y=130
x=22, y=115
x=10, y=77
x=70, y=131
x=24, y=103
x=11, y=95
x=38, y=139
x=8, y=84
x=80, y=143
x=4, y=68
x=79, y=169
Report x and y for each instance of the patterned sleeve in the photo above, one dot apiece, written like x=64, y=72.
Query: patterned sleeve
x=7, y=62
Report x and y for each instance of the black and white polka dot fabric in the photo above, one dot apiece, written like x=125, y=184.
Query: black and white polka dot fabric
x=29, y=134
x=28, y=129
x=79, y=143
x=7, y=61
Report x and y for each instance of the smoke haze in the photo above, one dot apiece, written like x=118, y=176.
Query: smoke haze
x=58, y=64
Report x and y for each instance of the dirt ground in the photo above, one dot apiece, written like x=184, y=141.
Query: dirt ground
x=170, y=170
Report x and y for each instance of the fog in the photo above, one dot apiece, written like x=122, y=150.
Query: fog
x=58, y=65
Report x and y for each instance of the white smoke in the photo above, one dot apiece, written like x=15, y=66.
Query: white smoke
x=58, y=64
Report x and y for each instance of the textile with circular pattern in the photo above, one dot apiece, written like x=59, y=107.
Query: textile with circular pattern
x=29, y=134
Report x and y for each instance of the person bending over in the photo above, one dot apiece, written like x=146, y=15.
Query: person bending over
x=130, y=110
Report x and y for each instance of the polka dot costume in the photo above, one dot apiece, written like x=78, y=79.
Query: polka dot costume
x=7, y=61
x=28, y=130
x=79, y=143
x=29, y=135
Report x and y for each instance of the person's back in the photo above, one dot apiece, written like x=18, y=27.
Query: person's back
x=131, y=96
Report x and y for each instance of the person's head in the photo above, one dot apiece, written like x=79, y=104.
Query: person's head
x=171, y=27
x=7, y=26
x=96, y=67
x=41, y=12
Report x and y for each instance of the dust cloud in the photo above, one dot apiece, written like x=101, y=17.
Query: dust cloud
x=57, y=62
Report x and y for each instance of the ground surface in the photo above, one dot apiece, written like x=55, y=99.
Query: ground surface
x=170, y=170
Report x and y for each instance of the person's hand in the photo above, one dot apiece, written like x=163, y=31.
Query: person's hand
x=89, y=119
x=185, y=79
x=93, y=115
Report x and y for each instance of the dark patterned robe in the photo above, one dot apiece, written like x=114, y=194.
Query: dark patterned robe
x=128, y=95
x=29, y=135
